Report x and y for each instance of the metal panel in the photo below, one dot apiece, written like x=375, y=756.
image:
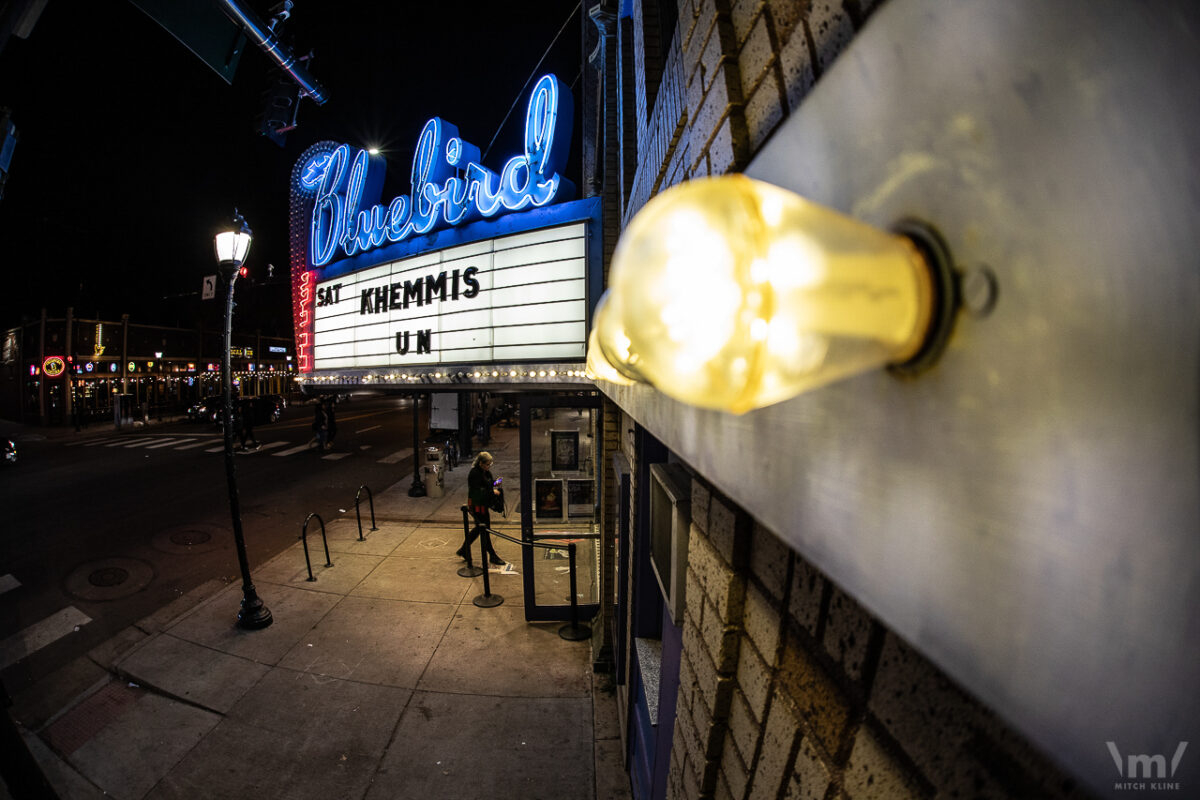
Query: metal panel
x=1027, y=513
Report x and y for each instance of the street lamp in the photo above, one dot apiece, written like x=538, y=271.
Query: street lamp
x=232, y=246
x=418, y=487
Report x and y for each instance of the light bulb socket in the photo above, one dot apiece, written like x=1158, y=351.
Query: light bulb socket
x=946, y=296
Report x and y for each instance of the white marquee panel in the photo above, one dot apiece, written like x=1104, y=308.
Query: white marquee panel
x=531, y=304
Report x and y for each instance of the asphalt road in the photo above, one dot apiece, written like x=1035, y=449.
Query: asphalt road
x=103, y=529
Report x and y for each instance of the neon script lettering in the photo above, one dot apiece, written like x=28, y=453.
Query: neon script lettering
x=449, y=185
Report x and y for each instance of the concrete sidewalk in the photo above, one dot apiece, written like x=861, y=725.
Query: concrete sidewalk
x=381, y=679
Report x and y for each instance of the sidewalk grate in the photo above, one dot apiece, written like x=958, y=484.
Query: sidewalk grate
x=75, y=728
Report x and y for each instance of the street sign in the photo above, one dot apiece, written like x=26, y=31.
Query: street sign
x=204, y=29
x=210, y=287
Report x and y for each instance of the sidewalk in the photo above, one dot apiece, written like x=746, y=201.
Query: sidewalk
x=381, y=679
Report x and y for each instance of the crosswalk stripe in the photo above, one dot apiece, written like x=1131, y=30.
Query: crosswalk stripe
x=8, y=583
x=291, y=451
x=215, y=449
x=40, y=634
x=167, y=443
x=200, y=443
x=273, y=445
x=398, y=456
x=129, y=443
x=334, y=456
x=95, y=442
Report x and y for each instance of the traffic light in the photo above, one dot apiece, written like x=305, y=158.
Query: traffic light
x=280, y=102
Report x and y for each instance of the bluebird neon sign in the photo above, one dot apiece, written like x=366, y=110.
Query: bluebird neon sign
x=449, y=185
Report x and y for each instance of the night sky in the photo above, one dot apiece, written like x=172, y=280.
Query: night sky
x=133, y=152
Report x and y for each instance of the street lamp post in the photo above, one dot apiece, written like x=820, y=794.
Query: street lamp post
x=418, y=487
x=232, y=247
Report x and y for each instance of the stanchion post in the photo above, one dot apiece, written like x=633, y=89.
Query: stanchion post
x=484, y=541
x=573, y=631
x=487, y=599
x=574, y=585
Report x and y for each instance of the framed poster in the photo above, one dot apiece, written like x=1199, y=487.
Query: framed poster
x=581, y=497
x=564, y=451
x=548, y=498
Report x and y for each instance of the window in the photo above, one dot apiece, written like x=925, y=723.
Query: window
x=670, y=518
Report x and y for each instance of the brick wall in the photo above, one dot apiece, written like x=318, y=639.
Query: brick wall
x=789, y=688
x=733, y=72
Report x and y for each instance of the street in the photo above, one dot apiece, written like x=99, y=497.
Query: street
x=107, y=527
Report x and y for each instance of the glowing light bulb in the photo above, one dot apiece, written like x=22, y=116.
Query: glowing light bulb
x=733, y=294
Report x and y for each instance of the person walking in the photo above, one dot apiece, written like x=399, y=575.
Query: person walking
x=245, y=418
x=320, y=425
x=481, y=493
x=330, y=423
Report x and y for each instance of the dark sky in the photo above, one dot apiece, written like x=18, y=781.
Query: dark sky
x=133, y=152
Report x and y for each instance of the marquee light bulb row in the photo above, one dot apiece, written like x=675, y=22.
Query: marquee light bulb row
x=460, y=376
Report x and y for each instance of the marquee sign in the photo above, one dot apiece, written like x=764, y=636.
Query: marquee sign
x=471, y=266
x=514, y=298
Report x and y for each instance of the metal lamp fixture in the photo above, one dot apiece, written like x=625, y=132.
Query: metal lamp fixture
x=733, y=294
x=232, y=246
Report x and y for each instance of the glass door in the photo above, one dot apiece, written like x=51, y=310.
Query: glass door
x=560, y=504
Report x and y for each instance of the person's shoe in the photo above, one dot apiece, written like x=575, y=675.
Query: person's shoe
x=462, y=553
x=500, y=562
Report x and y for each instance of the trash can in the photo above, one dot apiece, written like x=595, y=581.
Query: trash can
x=434, y=455
x=434, y=480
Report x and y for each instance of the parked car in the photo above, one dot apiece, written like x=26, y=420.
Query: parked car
x=206, y=409
x=279, y=400
x=10, y=451
x=264, y=409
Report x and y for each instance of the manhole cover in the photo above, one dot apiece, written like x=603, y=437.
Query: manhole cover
x=186, y=540
x=108, y=576
x=109, y=579
x=190, y=538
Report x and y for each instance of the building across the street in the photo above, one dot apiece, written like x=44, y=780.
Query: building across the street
x=70, y=370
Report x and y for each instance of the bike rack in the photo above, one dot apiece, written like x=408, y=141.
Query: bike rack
x=304, y=537
x=358, y=510
x=573, y=631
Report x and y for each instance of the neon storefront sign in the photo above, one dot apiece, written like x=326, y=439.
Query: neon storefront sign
x=53, y=366
x=449, y=184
